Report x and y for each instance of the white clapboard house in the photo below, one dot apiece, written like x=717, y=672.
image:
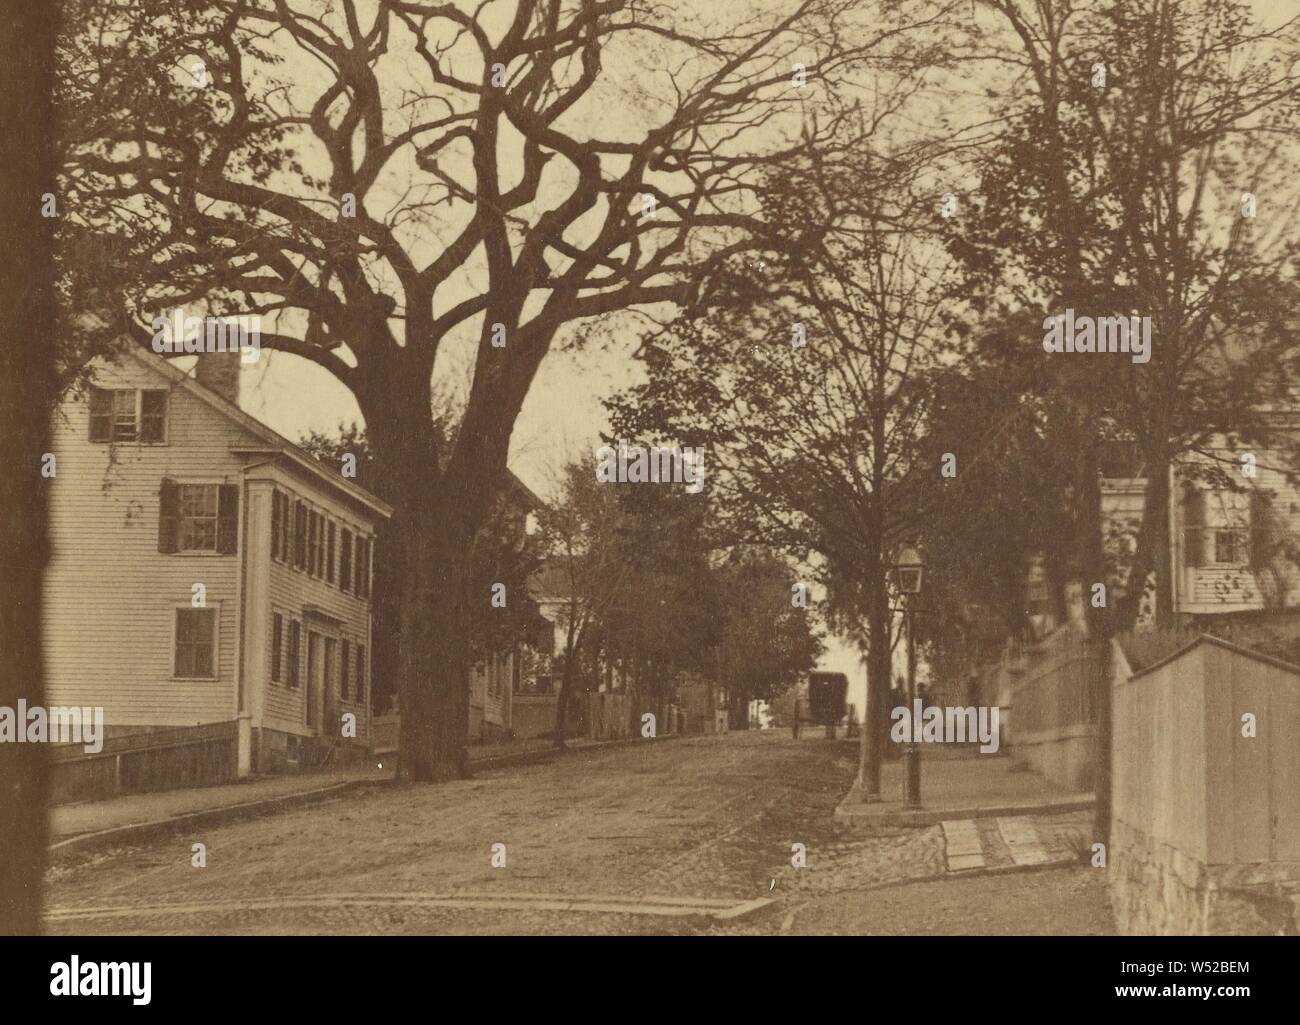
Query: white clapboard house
x=209, y=586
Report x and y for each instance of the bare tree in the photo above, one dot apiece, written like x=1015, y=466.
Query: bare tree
x=580, y=532
x=385, y=180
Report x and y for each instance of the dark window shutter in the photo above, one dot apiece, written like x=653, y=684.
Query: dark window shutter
x=1196, y=538
x=276, y=533
x=286, y=530
x=1261, y=528
x=228, y=519
x=299, y=535
x=167, y=516
x=345, y=560
x=329, y=553
x=101, y=415
x=153, y=414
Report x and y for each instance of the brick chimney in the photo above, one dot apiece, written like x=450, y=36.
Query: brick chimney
x=219, y=371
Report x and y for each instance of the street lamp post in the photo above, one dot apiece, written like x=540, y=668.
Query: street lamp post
x=907, y=576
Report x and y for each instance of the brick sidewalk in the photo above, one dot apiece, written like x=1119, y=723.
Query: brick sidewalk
x=959, y=788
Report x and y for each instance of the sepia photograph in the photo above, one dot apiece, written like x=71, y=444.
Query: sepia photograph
x=657, y=469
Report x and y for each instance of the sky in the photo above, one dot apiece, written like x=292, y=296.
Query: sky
x=561, y=418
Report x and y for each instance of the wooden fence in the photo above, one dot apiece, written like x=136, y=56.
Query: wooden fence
x=149, y=760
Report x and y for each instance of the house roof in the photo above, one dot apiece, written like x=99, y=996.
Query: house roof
x=275, y=443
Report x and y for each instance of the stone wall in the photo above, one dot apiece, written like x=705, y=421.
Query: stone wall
x=1157, y=890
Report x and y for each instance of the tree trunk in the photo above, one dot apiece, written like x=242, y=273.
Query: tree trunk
x=562, y=702
x=432, y=534
x=27, y=391
x=875, y=726
x=1152, y=552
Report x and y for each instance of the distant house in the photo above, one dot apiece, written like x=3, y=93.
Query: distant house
x=1234, y=520
x=210, y=582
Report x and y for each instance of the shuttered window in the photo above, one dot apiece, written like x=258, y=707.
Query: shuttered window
x=196, y=644
x=361, y=672
x=128, y=414
x=198, y=517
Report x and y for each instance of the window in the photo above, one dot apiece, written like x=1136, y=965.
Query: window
x=345, y=559
x=329, y=552
x=299, y=535
x=127, y=414
x=196, y=643
x=277, y=630
x=361, y=672
x=345, y=670
x=198, y=517
x=295, y=642
x=1230, y=546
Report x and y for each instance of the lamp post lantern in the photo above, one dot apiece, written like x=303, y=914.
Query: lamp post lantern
x=908, y=570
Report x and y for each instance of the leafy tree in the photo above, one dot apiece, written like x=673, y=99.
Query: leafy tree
x=765, y=642
x=1134, y=133
x=579, y=531
x=805, y=382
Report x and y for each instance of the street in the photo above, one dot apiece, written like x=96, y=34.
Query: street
x=611, y=842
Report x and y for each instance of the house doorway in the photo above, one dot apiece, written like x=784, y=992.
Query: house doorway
x=314, y=680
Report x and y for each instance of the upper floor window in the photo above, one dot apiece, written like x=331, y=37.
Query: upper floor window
x=198, y=517
x=127, y=414
x=1230, y=546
